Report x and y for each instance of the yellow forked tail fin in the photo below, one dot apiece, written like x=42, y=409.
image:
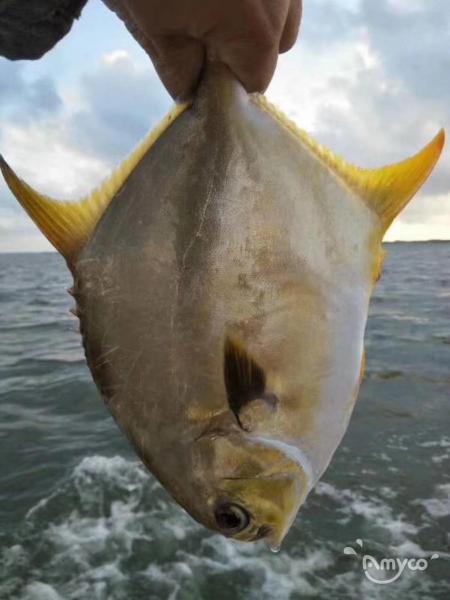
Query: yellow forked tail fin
x=69, y=225
x=389, y=189
x=386, y=190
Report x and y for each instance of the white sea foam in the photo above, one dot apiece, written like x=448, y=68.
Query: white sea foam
x=40, y=591
x=388, y=492
x=383, y=456
x=439, y=458
x=410, y=549
x=374, y=510
x=274, y=576
x=438, y=506
x=112, y=527
x=444, y=442
x=106, y=523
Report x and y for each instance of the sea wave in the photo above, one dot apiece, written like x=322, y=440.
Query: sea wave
x=438, y=506
x=81, y=525
x=111, y=532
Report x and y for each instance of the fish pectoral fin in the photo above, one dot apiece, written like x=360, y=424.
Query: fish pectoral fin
x=69, y=225
x=245, y=383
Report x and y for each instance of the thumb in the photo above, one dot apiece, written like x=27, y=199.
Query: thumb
x=178, y=61
x=253, y=65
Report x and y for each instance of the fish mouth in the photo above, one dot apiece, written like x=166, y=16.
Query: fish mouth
x=265, y=531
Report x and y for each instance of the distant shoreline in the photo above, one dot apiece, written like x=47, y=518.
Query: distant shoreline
x=384, y=243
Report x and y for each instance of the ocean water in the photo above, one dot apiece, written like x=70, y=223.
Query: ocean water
x=81, y=519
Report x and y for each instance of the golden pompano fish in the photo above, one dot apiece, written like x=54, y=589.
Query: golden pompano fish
x=222, y=278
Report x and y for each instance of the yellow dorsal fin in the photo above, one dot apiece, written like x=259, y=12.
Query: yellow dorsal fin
x=69, y=225
x=386, y=190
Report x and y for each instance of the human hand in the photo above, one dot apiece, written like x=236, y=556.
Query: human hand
x=246, y=35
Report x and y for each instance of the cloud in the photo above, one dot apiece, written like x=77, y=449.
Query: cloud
x=65, y=142
x=22, y=99
x=103, y=116
x=367, y=79
x=121, y=102
x=412, y=37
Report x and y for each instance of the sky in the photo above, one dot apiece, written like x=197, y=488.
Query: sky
x=369, y=79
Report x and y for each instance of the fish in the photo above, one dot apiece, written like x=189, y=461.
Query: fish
x=222, y=279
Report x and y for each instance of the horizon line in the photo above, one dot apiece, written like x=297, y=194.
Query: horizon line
x=430, y=241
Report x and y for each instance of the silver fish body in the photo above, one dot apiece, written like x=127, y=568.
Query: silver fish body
x=223, y=297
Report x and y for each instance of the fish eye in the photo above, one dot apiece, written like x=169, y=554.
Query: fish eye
x=231, y=518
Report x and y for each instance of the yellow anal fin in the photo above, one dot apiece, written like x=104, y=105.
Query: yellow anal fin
x=69, y=225
x=386, y=190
